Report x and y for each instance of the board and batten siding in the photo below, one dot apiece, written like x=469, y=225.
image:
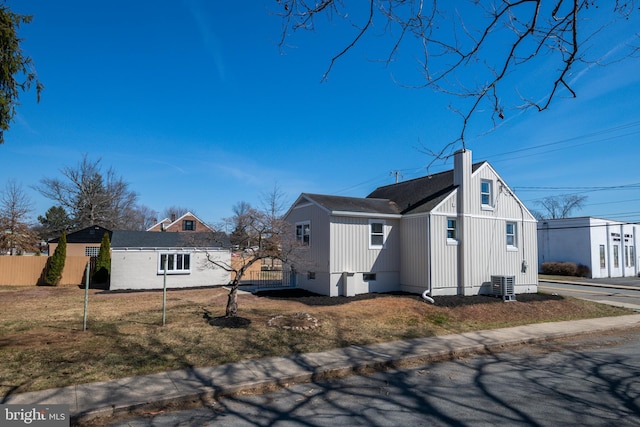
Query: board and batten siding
x=315, y=258
x=351, y=254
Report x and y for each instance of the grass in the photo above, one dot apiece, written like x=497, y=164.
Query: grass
x=42, y=344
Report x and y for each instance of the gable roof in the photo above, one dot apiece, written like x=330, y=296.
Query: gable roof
x=168, y=223
x=150, y=239
x=91, y=234
x=420, y=194
x=340, y=204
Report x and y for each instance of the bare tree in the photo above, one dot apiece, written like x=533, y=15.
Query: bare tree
x=562, y=206
x=15, y=234
x=140, y=218
x=174, y=211
x=91, y=196
x=473, y=49
x=274, y=202
x=241, y=236
x=274, y=239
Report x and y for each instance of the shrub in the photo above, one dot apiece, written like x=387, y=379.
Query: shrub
x=103, y=262
x=55, y=266
x=583, y=271
x=559, y=268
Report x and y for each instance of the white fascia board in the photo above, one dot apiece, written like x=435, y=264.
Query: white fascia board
x=365, y=214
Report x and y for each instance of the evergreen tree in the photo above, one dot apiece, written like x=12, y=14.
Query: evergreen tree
x=103, y=263
x=56, y=262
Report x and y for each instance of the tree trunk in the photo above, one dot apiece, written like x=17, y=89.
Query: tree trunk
x=232, y=301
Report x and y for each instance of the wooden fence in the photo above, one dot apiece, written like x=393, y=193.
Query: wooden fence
x=30, y=270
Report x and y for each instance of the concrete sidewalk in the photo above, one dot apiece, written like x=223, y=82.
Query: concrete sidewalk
x=152, y=392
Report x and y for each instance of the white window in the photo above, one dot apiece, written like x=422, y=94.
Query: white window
x=512, y=235
x=486, y=192
x=376, y=234
x=452, y=229
x=603, y=259
x=303, y=232
x=176, y=263
x=91, y=251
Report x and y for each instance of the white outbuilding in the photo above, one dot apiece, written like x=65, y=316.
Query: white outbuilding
x=138, y=260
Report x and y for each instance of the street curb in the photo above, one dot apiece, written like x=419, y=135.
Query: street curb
x=360, y=360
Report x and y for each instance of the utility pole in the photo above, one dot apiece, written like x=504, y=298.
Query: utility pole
x=397, y=174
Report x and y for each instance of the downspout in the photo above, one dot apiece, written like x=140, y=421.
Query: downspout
x=426, y=295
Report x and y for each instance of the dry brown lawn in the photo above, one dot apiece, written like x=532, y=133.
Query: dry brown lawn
x=42, y=344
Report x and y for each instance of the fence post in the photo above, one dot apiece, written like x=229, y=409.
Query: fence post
x=86, y=297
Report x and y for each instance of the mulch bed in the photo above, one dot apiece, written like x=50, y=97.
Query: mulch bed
x=312, y=299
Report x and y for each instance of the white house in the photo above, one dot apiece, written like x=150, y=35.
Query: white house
x=447, y=234
x=138, y=260
x=607, y=247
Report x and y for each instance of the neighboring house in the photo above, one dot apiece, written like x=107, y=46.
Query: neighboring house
x=446, y=234
x=608, y=248
x=187, y=222
x=138, y=260
x=85, y=242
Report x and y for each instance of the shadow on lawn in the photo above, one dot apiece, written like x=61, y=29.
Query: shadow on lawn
x=312, y=299
x=226, y=322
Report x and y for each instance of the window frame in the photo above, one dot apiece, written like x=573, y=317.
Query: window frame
x=488, y=194
x=513, y=245
x=377, y=234
x=369, y=277
x=304, y=239
x=603, y=258
x=191, y=222
x=176, y=259
x=452, y=232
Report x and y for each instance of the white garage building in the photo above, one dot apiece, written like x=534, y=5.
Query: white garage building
x=138, y=260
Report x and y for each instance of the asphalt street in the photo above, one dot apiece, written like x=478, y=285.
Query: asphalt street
x=587, y=381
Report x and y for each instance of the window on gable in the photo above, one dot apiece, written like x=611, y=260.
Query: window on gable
x=188, y=225
x=452, y=229
x=486, y=192
x=177, y=263
x=303, y=233
x=512, y=237
x=376, y=234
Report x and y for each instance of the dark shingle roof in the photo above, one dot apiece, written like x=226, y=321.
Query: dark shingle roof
x=354, y=204
x=150, y=239
x=420, y=194
x=91, y=234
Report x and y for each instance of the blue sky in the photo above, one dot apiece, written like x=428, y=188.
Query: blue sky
x=194, y=105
